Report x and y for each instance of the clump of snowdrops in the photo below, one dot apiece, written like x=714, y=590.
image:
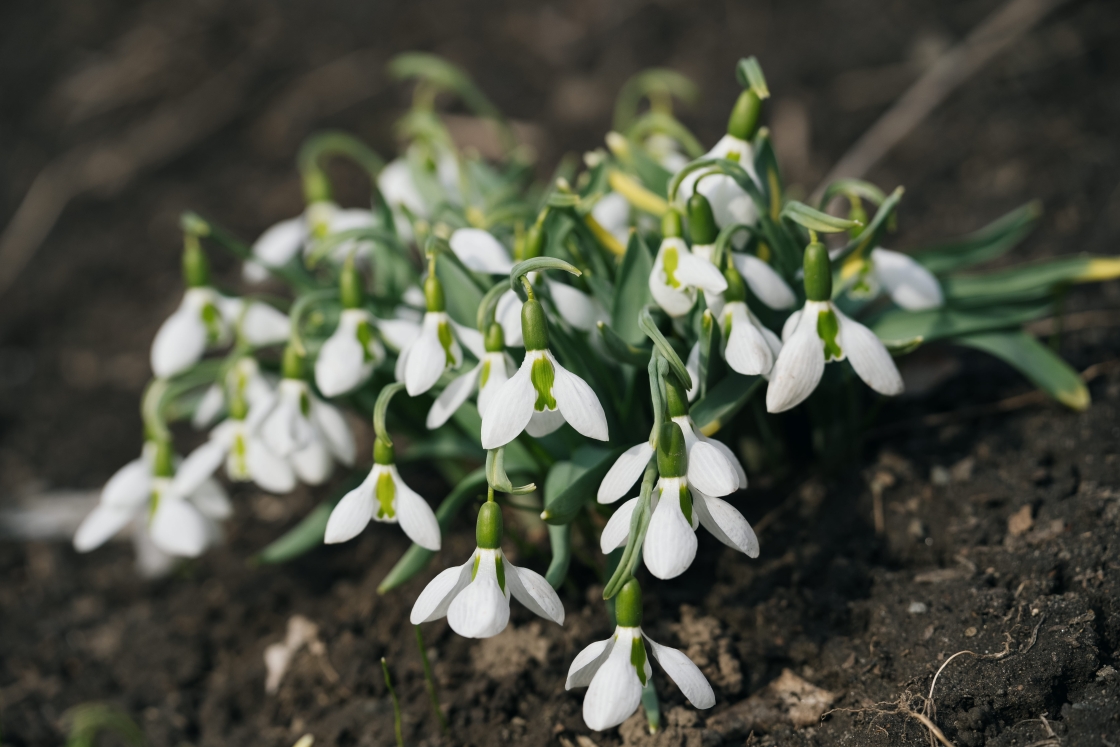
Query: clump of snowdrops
x=581, y=346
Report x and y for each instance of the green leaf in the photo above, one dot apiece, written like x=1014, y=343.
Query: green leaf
x=461, y=291
x=580, y=489
x=903, y=347
x=749, y=74
x=622, y=351
x=1024, y=283
x=656, y=81
x=1035, y=361
x=871, y=236
x=766, y=166
x=989, y=242
x=309, y=532
x=815, y=220
x=416, y=558
x=853, y=188
x=631, y=291
x=710, y=360
x=663, y=346
x=560, y=540
x=724, y=400
x=936, y=324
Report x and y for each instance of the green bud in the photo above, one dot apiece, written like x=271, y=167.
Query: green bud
x=291, y=367
x=433, y=292
x=196, y=268
x=534, y=326
x=672, y=457
x=382, y=451
x=818, y=273
x=495, y=339
x=350, y=286
x=533, y=243
x=676, y=398
x=701, y=222
x=628, y=605
x=743, y=122
x=488, y=530
x=316, y=187
x=736, y=289
x=671, y=225
x=163, y=463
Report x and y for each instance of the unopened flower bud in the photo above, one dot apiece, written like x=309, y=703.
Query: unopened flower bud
x=488, y=529
x=818, y=273
x=701, y=221
x=196, y=268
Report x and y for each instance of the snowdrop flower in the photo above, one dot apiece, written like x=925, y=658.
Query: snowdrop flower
x=383, y=496
x=305, y=430
x=677, y=273
x=763, y=281
x=614, y=671
x=207, y=319
x=820, y=333
x=436, y=348
x=666, y=151
x=712, y=466
x=244, y=379
x=910, y=286
x=286, y=239
x=237, y=442
x=612, y=212
x=475, y=596
x=676, y=511
x=580, y=310
x=350, y=354
x=406, y=199
x=748, y=346
x=180, y=524
x=480, y=251
x=542, y=395
x=487, y=377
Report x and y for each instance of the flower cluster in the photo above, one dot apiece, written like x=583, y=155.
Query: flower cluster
x=522, y=326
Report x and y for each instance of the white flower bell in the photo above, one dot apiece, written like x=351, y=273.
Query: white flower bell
x=436, y=349
x=677, y=510
x=478, y=250
x=350, y=354
x=475, y=596
x=678, y=273
x=748, y=346
x=614, y=671
x=303, y=429
x=245, y=379
x=910, y=286
x=820, y=333
x=612, y=212
x=384, y=496
x=286, y=239
x=542, y=395
x=180, y=524
x=487, y=378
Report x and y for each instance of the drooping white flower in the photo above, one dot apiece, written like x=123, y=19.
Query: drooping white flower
x=763, y=281
x=406, y=197
x=910, y=286
x=748, y=346
x=288, y=238
x=580, y=310
x=435, y=349
x=307, y=432
x=384, y=496
x=478, y=250
x=730, y=202
x=492, y=371
x=475, y=596
x=612, y=212
x=677, y=274
x=244, y=380
x=542, y=395
x=614, y=671
x=179, y=524
x=349, y=355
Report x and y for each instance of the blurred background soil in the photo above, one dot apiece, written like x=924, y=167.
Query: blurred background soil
x=1000, y=532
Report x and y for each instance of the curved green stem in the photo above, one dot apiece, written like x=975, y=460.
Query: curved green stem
x=381, y=408
x=301, y=305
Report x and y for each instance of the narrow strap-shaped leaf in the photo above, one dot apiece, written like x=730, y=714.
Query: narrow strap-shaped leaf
x=622, y=351
x=1035, y=361
x=582, y=490
x=870, y=237
x=749, y=74
x=815, y=220
x=937, y=324
x=663, y=346
x=710, y=361
x=854, y=188
x=560, y=540
x=462, y=290
x=723, y=401
x=1029, y=281
x=631, y=290
x=990, y=242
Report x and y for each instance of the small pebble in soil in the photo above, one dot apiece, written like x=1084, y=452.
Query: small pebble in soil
x=917, y=608
x=969, y=632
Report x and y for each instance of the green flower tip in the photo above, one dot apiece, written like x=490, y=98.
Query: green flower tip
x=350, y=286
x=701, y=221
x=433, y=292
x=292, y=365
x=743, y=122
x=672, y=458
x=163, y=466
x=196, y=268
x=488, y=530
x=534, y=326
x=382, y=451
x=628, y=605
x=671, y=225
x=495, y=339
x=818, y=273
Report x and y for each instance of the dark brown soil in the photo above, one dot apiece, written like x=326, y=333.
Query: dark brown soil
x=868, y=618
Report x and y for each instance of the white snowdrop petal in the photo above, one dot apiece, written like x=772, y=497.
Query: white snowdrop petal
x=471, y=338
x=178, y=528
x=452, y=398
x=511, y=410
x=433, y=602
x=710, y=471
x=625, y=471
x=480, y=251
x=279, y=243
x=102, y=523
x=508, y=315
x=398, y=333
x=612, y=212
x=312, y=464
x=576, y=308
x=587, y=663
x=341, y=364
x=396, y=186
x=670, y=544
x=868, y=356
x=578, y=403
x=199, y=466
x=686, y=675
x=544, y=422
x=332, y=427
x=700, y=273
x=910, y=285
x=351, y=514
x=211, y=499
x=179, y=343
x=268, y=470
x=416, y=517
x=729, y=455
x=426, y=358
x=764, y=281
x=772, y=342
x=261, y=324
x=730, y=204
x=746, y=350
x=208, y=408
x=726, y=523
x=481, y=610
x=790, y=325
x=500, y=366
x=675, y=302
x=129, y=486
x=617, y=530
x=615, y=690
x=532, y=590
x=799, y=367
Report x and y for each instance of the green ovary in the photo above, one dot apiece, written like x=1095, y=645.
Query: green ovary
x=828, y=327
x=638, y=658
x=543, y=377
x=446, y=340
x=385, y=492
